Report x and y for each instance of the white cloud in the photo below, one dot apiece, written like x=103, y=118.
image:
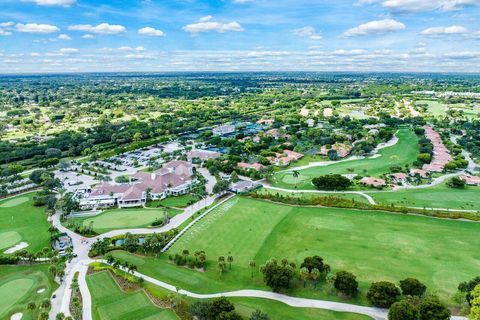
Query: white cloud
x=463, y=55
x=64, y=3
x=36, y=28
x=422, y=5
x=151, y=32
x=88, y=36
x=242, y=1
x=102, y=28
x=6, y=24
x=5, y=33
x=205, y=24
x=126, y=48
x=441, y=31
x=68, y=50
x=307, y=32
x=353, y=52
x=64, y=37
x=375, y=27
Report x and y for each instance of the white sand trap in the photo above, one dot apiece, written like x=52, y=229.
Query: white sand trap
x=16, y=316
x=41, y=290
x=17, y=247
x=375, y=156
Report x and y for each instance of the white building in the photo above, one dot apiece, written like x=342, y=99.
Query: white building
x=223, y=129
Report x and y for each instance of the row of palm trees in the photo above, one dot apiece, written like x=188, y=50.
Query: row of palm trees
x=125, y=266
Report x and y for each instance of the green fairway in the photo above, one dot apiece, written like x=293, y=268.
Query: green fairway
x=21, y=221
x=373, y=245
x=109, y=302
x=278, y=310
x=439, y=196
x=19, y=286
x=124, y=218
x=402, y=153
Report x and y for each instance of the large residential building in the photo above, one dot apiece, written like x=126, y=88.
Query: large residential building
x=174, y=178
x=441, y=155
x=223, y=130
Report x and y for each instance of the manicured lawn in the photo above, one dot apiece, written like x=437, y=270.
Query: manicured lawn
x=109, y=302
x=373, y=245
x=177, y=202
x=278, y=310
x=19, y=286
x=439, y=196
x=402, y=153
x=21, y=221
x=124, y=218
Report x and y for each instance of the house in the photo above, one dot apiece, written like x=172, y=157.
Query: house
x=250, y=166
x=223, y=130
x=174, y=178
x=284, y=159
x=373, y=182
x=327, y=112
x=203, y=155
x=276, y=134
x=243, y=186
x=471, y=180
x=310, y=123
x=62, y=243
x=420, y=172
x=266, y=121
x=399, y=177
x=343, y=150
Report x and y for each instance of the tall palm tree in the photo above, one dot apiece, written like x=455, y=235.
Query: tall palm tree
x=252, y=264
x=230, y=260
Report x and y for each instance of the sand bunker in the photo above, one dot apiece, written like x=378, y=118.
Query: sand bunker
x=17, y=247
x=16, y=316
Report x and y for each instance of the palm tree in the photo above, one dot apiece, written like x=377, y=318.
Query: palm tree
x=304, y=274
x=295, y=175
x=315, y=275
x=221, y=268
x=230, y=260
x=53, y=270
x=252, y=264
x=31, y=306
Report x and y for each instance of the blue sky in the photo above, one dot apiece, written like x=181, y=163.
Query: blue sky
x=239, y=35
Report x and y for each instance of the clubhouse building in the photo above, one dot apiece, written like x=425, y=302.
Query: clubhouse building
x=174, y=178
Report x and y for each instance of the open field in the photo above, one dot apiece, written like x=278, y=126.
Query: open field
x=177, y=202
x=21, y=221
x=19, y=286
x=402, y=153
x=109, y=302
x=439, y=196
x=124, y=218
x=373, y=245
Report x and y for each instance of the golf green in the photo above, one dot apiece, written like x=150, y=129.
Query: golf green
x=109, y=302
x=19, y=286
x=125, y=218
x=403, y=153
x=21, y=221
x=373, y=245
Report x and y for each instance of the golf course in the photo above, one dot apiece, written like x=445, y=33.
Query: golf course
x=20, y=285
x=373, y=245
x=124, y=218
x=20, y=222
x=112, y=303
x=404, y=152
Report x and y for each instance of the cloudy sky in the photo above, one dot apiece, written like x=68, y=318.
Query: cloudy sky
x=39, y=36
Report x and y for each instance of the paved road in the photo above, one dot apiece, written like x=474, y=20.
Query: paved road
x=472, y=166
